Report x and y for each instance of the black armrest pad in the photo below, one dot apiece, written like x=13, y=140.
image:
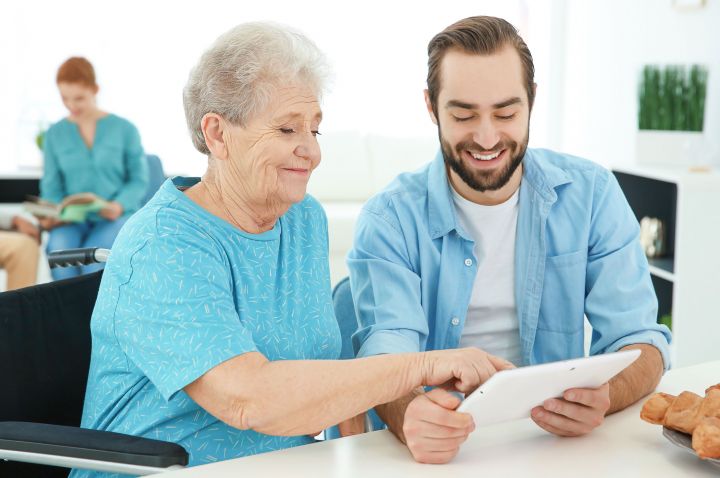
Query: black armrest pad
x=90, y=444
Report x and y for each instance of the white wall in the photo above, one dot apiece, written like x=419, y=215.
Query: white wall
x=607, y=43
x=588, y=54
x=143, y=51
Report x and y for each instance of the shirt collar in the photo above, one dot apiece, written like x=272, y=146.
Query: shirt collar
x=542, y=176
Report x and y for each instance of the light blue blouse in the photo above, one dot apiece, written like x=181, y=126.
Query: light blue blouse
x=184, y=291
x=114, y=168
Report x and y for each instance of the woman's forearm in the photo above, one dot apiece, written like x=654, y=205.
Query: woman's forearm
x=296, y=397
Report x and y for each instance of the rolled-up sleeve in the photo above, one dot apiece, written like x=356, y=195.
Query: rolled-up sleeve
x=386, y=289
x=620, y=299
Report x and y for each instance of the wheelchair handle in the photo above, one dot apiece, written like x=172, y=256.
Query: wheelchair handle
x=77, y=257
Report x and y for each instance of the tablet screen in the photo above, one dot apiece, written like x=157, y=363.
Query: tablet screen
x=512, y=394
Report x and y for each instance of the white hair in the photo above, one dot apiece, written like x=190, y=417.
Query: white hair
x=238, y=75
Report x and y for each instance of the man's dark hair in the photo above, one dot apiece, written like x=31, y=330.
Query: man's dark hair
x=481, y=36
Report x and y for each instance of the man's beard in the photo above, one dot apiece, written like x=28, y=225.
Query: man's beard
x=479, y=180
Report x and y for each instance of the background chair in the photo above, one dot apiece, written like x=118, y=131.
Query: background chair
x=44, y=358
x=345, y=315
x=156, y=176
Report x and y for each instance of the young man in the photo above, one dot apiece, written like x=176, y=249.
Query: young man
x=497, y=246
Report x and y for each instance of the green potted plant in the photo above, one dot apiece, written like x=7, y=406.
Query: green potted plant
x=40, y=138
x=671, y=113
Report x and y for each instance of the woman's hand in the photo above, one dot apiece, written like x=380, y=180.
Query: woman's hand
x=462, y=370
x=48, y=223
x=112, y=211
x=26, y=227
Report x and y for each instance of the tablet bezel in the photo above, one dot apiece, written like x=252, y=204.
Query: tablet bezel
x=512, y=394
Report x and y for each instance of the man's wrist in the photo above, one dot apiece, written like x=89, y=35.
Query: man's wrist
x=393, y=413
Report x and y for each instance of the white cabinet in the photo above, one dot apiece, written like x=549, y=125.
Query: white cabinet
x=687, y=278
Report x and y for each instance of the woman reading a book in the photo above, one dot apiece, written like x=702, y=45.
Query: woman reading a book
x=94, y=162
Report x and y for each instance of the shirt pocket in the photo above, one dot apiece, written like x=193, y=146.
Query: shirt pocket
x=562, y=307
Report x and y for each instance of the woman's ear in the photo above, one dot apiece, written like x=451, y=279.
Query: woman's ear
x=213, y=126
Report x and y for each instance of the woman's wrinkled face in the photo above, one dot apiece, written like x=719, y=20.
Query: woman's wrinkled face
x=274, y=154
x=78, y=98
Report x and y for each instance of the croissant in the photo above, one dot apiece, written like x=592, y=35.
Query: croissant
x=689, y=413
x=706, y=438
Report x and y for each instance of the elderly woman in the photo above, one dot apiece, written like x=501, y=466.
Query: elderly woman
x=214, y=327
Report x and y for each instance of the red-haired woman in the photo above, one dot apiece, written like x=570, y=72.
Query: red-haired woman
x=90, y=151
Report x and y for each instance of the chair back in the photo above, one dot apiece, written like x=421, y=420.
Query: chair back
x=347, y=321
x=44, y=357
x=345, y=316
x=156, y=176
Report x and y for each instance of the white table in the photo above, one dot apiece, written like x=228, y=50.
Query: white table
x=624, y=446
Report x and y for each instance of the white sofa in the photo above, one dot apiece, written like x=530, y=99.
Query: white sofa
x=354, y=167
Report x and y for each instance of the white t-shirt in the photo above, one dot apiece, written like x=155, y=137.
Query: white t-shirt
x=491, y=322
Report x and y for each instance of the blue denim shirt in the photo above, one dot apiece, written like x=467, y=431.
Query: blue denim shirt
x=577, y=254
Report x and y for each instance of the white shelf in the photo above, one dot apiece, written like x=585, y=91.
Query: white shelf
x=688, y=288
x=663, y=274
x=680, y=175
x=663, y=268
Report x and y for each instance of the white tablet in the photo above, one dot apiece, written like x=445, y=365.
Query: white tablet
x=511, y=394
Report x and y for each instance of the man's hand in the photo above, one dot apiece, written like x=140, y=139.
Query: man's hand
x=26, y=227
x=579, y=412
x=433, y=429
x=352, y=426
x=112, y=211
x=427, y=422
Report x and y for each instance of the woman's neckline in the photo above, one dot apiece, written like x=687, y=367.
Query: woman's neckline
x=102, y=116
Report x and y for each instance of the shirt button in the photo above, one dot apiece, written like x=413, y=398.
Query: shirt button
x=455, y=321
x=468, y=262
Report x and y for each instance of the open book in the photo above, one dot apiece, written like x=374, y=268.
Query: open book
x=74, y=208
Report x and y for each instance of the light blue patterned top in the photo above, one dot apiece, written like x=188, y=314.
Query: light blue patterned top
x=114, y=168
x=184, y=291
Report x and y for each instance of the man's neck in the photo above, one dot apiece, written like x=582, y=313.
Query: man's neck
x=486, y=198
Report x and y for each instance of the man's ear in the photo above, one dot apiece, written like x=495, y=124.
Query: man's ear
x=534, y=96
x=428, y=105
x=213, y=127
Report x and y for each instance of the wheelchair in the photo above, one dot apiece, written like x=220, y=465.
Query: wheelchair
x=45, y=349
x=44, y=359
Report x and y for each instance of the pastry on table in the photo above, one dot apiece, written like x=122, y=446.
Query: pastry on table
x=689, y=413
x=706, y=438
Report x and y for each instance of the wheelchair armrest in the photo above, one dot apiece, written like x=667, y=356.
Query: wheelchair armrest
x=77, y=257
x=83, y=444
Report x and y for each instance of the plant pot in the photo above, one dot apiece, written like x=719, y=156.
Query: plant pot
x=678, y=148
